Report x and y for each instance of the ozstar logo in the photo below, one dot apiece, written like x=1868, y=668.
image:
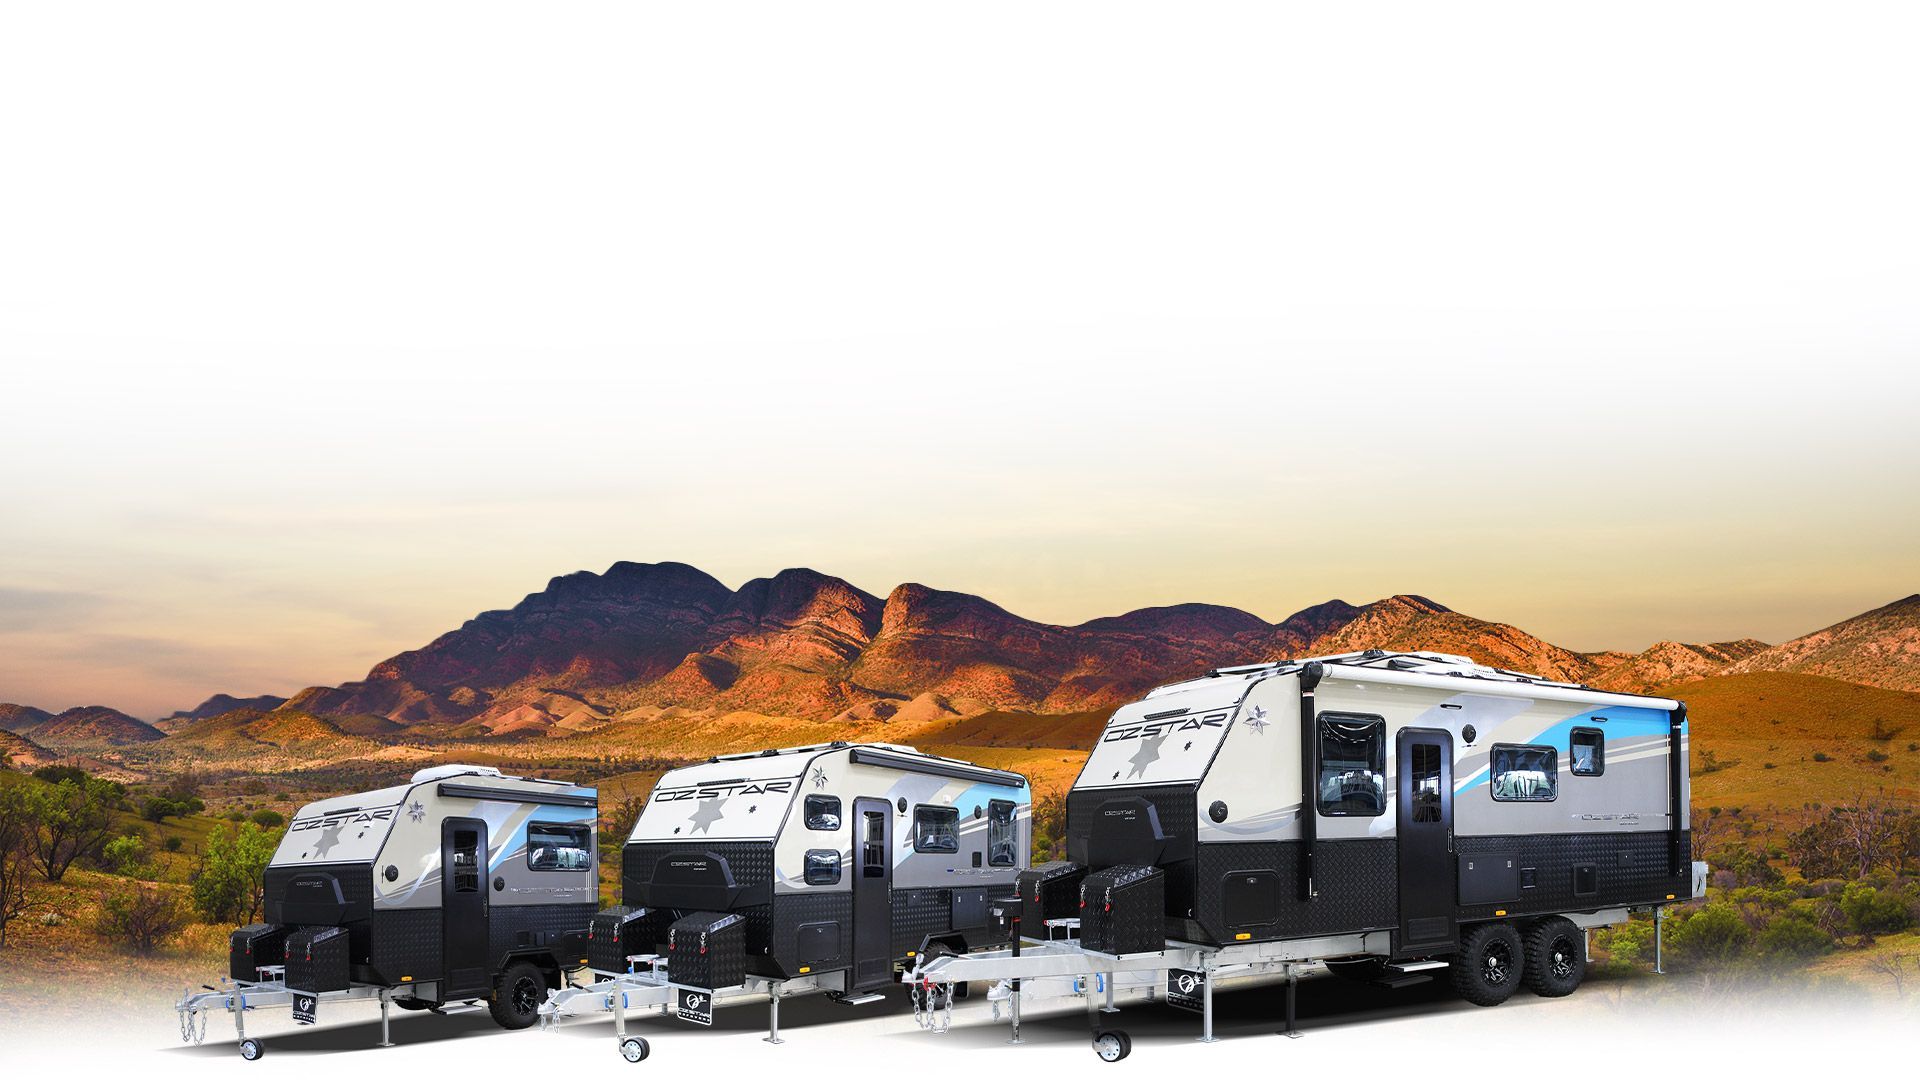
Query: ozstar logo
x=727, y=790
x=343, y=817
x=1155, y=729
x=1188, y=982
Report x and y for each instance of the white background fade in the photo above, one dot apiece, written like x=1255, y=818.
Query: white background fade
x=322, y=329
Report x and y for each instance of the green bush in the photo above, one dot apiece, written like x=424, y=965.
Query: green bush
x=125, y=855
x=1713, y=935
x=54, y=774
x=269, y=819
x=1872, y=911
x=1628, y=947
x=1793, y=936
x=158, y=808
x=171, y=843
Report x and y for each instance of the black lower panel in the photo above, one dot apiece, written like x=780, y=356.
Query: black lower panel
x=405, y=946
x=1571, y=872
x=1254, y=889
x=554, y=927
x=813, y=930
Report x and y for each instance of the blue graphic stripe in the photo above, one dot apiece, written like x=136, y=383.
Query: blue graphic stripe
x=1618, y=721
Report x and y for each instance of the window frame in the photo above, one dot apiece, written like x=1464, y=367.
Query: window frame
x=806, y=812
x=1599, y=752
x=1011, y=825
x=1379, y=756
x=576, y=828
x=1493, y=786
x=935, y=810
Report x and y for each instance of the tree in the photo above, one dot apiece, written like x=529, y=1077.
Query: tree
x=74, y=821
x=18, y=823
x=229, y=885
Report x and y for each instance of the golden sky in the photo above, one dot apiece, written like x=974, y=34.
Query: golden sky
x=1293, y=311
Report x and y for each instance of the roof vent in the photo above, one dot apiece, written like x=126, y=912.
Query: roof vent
x=442, y=772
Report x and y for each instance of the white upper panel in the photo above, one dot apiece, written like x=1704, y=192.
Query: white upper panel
x=1168, y=738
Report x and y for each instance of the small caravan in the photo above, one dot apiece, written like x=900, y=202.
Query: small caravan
x=820, y=867
x=460, y=885
x=1389, y=815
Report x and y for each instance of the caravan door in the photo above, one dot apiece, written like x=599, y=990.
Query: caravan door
x=463, y=908
x=872, y=894
x=1424, y=824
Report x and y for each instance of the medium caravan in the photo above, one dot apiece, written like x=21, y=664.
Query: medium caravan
x=459, y=885
x=1389, y=814
x=815, y=868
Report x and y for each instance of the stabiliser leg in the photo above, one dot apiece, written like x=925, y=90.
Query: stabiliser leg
x=773, y=1016
x=1293, y=983
x=386, y=1000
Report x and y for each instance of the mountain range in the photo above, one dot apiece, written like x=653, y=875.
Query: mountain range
x=591, y=648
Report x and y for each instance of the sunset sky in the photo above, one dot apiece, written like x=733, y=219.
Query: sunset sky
x=305, y=357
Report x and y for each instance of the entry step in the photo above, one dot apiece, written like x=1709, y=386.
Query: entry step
x=1417, y=965
x=862, y=999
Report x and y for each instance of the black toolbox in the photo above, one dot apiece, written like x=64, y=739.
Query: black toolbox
x=707, y=950
x=319, y=959
x=1123, y=910
x=619, y=932
x=251, y=948
x=1048, y=891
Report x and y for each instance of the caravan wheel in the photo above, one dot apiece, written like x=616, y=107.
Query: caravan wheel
x=1112, y=1045
x=1490, y=964
x=1556, y=961
x=252, y=1049
x=634, y=1049
x=517, y=996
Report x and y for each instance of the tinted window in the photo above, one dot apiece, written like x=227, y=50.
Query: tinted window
x=1424, y=769
x=1588, y=751
x=559, y=847
x=1002, y=835
x=466, y=860
x=1353, y=765
x=936, y=829
x=873, y=845
x=823, y=867
x=823, y=812
x=1524, y=773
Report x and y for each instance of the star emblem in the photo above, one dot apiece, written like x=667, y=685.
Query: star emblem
x=417, y=812
x=329, y=839
x=1148, y=753
x=819, y=776
x=708, y=813
x=1257, y=719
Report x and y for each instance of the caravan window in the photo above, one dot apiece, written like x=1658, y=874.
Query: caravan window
x=1353, y=765
x=558, y=847
x=1523, y=773
x=1002, y=836
x=823, y=813
x=936, y=829
x=823, y=866
x=1588, y=749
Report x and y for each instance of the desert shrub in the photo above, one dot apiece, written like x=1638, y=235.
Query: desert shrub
x=1049, y=828
x=253, y=787
x=1792, y=935
x=158, y=808
x=1871, y=911
x=1876, y=756
x=18, y=824
x=171, y=843
x=1627, y=947
x=1713, y=935
x=1821, y=756
x=139, y=915
x=55, y=774
x=125, y=855
x=268, y=819
x=227, y=889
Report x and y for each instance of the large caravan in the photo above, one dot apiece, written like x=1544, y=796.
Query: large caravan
x=460, y=885
x=816, y=868
x=1391, y=813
